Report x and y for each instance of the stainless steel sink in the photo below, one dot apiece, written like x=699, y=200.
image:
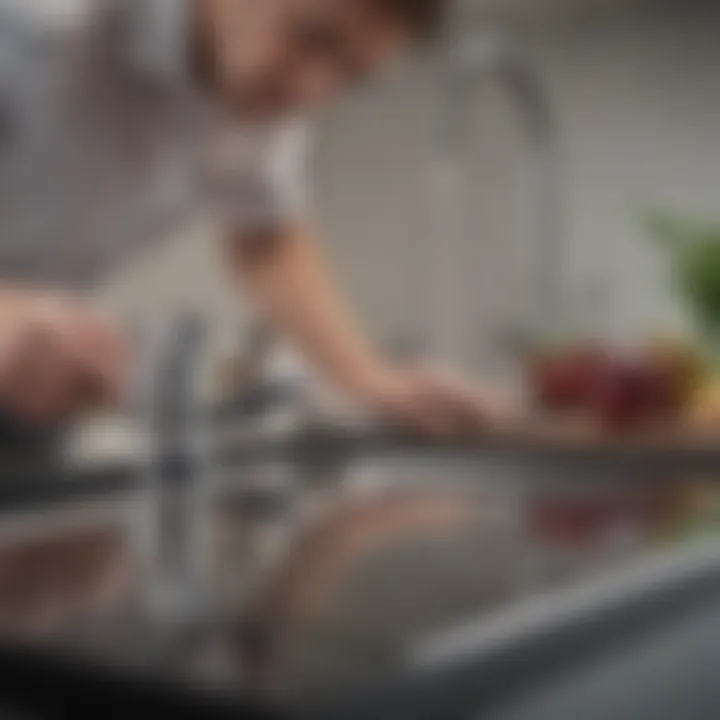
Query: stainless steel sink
x=326, y=581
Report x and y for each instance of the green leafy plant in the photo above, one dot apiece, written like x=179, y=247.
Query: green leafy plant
x=693, y=248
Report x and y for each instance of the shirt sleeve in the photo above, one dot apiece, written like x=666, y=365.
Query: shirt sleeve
x=263, y=184
x=287, y=171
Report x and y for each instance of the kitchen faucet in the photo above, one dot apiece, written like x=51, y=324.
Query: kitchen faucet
x=469, y=60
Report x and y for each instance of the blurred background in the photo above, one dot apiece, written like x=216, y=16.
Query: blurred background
x=631, y=92
x=456, y=233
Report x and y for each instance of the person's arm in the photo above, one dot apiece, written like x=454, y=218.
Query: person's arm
x=286, y=275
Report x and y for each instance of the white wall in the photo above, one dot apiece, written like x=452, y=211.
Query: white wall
x=638, y=101
x=637, y=98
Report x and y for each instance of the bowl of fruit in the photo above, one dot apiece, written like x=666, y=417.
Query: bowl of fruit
x=613, y=390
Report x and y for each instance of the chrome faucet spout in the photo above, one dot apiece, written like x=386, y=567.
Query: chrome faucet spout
x=467, y=64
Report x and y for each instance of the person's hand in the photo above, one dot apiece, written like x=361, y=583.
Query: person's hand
x=438, y=403
x=57, y=358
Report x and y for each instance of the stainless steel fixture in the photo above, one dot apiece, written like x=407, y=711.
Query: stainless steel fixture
x=470, y=60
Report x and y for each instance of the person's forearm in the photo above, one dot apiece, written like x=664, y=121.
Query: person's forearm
x=287, y=276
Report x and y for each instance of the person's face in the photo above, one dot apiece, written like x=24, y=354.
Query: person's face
x=280, y=57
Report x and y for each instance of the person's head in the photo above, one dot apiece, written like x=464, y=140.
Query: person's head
x=276, y=57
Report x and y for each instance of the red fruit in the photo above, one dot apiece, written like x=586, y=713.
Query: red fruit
x=675, y=383
x=629, y=394
x=683, y=365
x=665, y=393
x=549, y=384
x=562, y=380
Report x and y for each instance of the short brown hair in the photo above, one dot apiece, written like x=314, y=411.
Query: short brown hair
x=424, y=17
